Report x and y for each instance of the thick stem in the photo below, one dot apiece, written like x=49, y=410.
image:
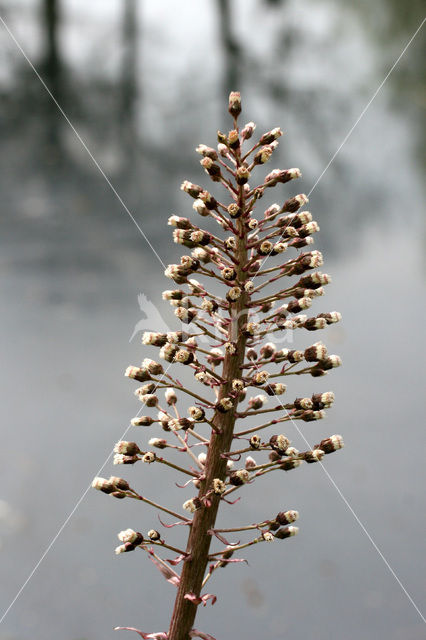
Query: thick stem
x=204, y=519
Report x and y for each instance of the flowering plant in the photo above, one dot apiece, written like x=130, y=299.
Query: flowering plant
x=228, y=355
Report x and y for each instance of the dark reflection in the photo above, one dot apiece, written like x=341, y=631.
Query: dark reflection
x=129, y=90
x=51, y=69
x=232, y=51
x=129, y=104
x=51, y=63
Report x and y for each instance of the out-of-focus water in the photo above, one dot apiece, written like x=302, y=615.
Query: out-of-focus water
x=73, y=264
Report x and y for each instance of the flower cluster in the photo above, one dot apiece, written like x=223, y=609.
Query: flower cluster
x=259, y=277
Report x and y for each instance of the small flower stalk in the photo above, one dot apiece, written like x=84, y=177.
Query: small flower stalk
x=227, y=430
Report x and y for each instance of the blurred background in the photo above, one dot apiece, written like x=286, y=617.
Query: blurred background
x=143, y=83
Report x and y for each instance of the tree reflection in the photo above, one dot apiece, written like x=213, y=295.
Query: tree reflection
x=232, y=52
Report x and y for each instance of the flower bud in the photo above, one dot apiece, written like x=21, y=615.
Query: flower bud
x=323, y=400
x=267, y=350
x=180, y=423
x=159, y=443
x=237, y=385
x=310, y=416
x=124, y=548
x=128, y=535
x=303, y=403
x=259, y=378
x=251, y=329
x=316, y=352
x=263, y=155
x=163, y=419
x=234, y=107
x=272, y=211
x=330, y=318
x=153, y=535
x=279, y=443
x=230, y=348
x=149, y=457
x=313, y=324
x=222, y=149
x=193, y=190
x=257, y=402
x=294, y=306
x=120, y=458
x=307, y=229
x=242, y=175
x=209, y=201
x=156, y=339
x=292, y=451
x=126, y=448
x=252, y=223
x=283, y=176
x=197, y=413
x=168, y=352
x=186, y=315
x=192, y=505
x=179, y=223
x=270, y=136
x=170, y=396
x=250, y=463
x=234, y=210
x=299, y=243
x=202, y=457
x=231, y=242
x=267, y=536
x=275, y=389
x=184, y=357
x=286, y=532
x=224, y=405
x=175, y=273
x=174, y=337
x=219, y=486
x=265, y=248
x=119, y=483
x=154, y=368
x=150, y=387
x=199, y=206
x=290, y=463
x=141, y=421
x=207, y=152
x=248, y=131
x=233, y=140
x=228, y=273
x=255, y=442
x=102, y=484
x=137, y=373
x=148, y=399
x=333, y=443
x=330, y=362
x=233, y=294
x=316, y=455
x=293, y=204
x=210, y=306
x=286, y=517
x=240, y=477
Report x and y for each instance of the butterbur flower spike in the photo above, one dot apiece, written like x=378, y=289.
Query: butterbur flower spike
x=263, y=261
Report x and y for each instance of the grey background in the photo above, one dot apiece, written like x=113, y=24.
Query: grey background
x=144, y=83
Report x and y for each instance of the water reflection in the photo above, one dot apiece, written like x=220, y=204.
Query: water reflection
x=73, y=264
